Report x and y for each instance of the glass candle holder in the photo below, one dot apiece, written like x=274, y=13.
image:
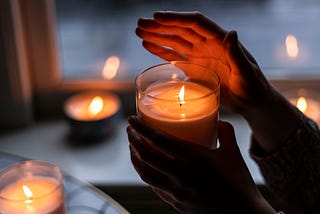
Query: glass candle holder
x=92, y=115
x=32, y=187
x=181, y=99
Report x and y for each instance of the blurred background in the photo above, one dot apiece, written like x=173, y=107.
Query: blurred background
x=91, y=31
x=53, y=49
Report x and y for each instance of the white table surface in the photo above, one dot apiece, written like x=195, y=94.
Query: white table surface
x=107, y=162
x=81, y=197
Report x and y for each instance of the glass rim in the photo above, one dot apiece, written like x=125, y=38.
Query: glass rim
x=34, y=162
x=212, y=91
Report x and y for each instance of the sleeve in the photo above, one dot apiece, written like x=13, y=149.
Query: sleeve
x=292, y=174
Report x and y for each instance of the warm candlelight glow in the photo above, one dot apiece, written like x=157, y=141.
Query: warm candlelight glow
x=27, y=192
x=180, y=105
x=302, y=104
x=181, y=96
x=111, y=67
x=95, y=106
x=307, y=101
x=32, y=187
x=292, y=46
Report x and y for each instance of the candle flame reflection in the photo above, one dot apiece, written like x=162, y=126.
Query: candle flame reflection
x=292, y=46
x=95, y=106
x=28, y=193
x=302, y=104
x=111, y=67
x=181, y=96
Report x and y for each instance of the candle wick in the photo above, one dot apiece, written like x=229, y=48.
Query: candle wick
x=181, y=102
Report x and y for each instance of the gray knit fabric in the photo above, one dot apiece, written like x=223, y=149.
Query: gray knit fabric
x=292, y=174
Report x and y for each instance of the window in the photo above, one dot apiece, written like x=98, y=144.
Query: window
x=282, y=35
x=68, y=42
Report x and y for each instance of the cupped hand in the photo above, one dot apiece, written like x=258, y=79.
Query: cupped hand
x=193, y=178
x=191, y=36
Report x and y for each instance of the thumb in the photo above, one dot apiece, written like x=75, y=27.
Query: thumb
x=226, y=135
x=237, y=55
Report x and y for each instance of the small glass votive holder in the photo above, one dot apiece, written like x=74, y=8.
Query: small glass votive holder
x=181, y=99
x=32, y=187
x=92, y=115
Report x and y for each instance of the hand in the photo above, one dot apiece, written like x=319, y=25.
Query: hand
x=181, y=36
x=244, y=89
x=193, y=178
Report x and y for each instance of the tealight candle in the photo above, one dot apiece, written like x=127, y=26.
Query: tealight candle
x=306, y=101
x=92, y=114
x=186, y=107
x=32, y=187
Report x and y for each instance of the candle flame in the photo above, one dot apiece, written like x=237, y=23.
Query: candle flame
x=111, y=67
x=95, y=106
x=181, y=96
x=292, y=46
x=302, y=104
x=28, y=194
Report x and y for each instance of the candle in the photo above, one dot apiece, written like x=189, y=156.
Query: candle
x=91, y=114
x=32, y=187
x=185, y=109
x=306, y=101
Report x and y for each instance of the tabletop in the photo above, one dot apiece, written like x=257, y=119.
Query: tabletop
x=103, y=163
x=81, y=197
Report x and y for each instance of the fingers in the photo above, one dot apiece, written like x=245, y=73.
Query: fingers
x=193, y=20
x=150, y=25
x=175, y=34
x=171, y=145
x=149, y=154
x=149, y=174
x=169, y=199
x=165, y=53
x=168, y=40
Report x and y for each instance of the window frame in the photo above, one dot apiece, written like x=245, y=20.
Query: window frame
x=16, y=94
x=38, y=26
x=36, y=22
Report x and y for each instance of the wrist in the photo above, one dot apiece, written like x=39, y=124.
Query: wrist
x=272, y=121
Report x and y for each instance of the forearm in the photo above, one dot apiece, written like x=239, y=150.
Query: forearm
x=272, y=120
x=292, y=173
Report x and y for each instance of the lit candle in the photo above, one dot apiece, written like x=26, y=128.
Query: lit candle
x=306, y=101
x=185, y=109
x=309, y=106
x=32, y=187
x=91, y=114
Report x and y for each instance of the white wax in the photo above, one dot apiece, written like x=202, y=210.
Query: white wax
x=77, y=107
x=48, y=198
x=195, y=120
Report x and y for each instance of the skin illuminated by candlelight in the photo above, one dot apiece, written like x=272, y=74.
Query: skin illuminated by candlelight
x=32, y=195
x=186, y=110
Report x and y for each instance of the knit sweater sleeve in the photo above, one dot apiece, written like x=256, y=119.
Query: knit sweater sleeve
x=293, y=172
